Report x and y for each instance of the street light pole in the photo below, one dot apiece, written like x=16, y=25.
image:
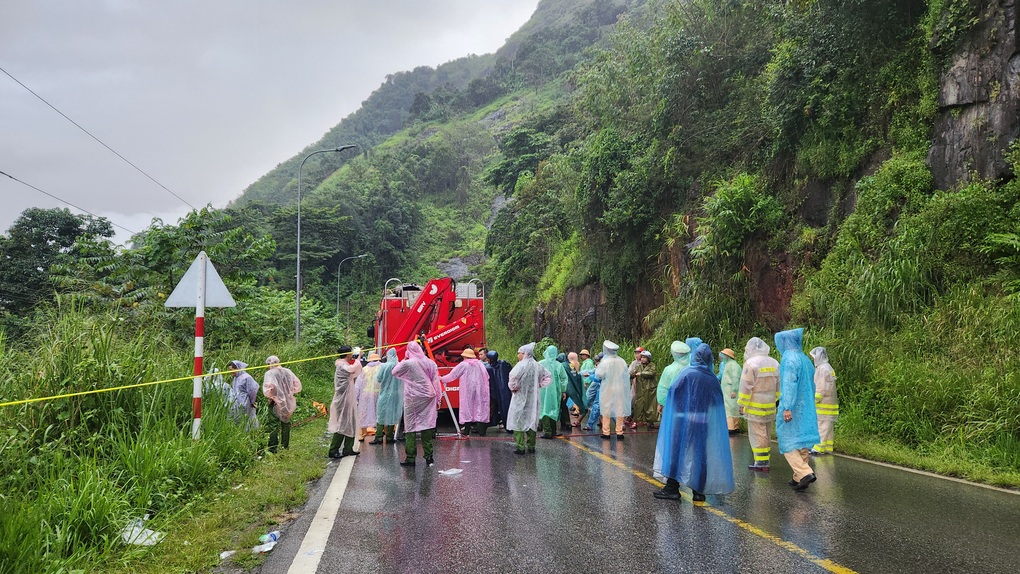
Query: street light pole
x=297, y=281
x=338, y=281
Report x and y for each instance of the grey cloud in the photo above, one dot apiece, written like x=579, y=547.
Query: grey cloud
x=206, y=96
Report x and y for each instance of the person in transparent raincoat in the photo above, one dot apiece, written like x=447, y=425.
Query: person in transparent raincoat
x=279, y=385
x=527, y=378
x=729, y=380
x=757, y=398
x=243, y=392
x=826, y=402
x=368, y=396
x=681, y=360
x=614, y=393
x=591, y=395
x=343, y=411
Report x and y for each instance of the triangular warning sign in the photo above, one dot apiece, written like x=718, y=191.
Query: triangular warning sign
x=186, y=292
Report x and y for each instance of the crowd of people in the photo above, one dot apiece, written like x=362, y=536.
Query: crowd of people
x=694, y=404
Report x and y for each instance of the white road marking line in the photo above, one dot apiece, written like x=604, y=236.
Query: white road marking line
x=314, y=543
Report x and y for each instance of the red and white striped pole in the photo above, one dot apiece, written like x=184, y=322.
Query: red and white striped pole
x=196, y=395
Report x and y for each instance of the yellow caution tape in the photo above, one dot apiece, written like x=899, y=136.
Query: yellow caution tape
x=179, y=379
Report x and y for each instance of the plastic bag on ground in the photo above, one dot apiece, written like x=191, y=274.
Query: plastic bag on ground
x=263, y=548
x=136, y=533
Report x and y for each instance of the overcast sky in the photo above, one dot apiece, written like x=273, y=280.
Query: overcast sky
x=205, y=96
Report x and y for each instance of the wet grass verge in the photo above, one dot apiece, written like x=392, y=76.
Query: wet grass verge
x=946, y=458
x=263, y=498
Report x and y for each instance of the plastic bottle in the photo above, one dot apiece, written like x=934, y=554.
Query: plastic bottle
x=271, y=537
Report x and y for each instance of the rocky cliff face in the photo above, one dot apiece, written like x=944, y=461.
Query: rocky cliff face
x=582, y=318
x=979, y=96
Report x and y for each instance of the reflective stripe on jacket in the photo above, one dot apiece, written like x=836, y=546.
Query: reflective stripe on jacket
x=759, y=388
x=826, y=403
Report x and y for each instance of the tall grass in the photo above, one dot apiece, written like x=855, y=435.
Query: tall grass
x=944, y=383
x=79, y=469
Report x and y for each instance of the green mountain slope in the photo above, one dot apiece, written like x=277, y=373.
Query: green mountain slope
x=726, y=170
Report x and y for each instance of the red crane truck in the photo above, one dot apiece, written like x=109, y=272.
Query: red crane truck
x=445, y=315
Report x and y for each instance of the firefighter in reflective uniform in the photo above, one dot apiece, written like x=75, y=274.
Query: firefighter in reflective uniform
x=826, y=404
x=757, y=396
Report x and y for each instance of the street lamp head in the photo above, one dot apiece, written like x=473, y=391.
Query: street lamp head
x=297, y=286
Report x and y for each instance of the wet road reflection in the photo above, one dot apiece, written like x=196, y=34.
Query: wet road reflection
x=584, y=505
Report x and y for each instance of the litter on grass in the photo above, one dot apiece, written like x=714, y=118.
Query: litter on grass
x=136, y=533
x=263, y=548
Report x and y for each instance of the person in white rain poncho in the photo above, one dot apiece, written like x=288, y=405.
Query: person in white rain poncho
x=474, y=392
x=244, y=391
x=343, y=411
x=526, y=378
x=757, y=396
x=614, y=394
x=826, y=403
x=422, y=394
x=279, y=385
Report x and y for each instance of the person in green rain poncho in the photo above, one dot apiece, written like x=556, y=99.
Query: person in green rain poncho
x=681, y=360
x=587, y=365
x=553, y=394
x=390, y=404
x=645, y=399
x=729, y=379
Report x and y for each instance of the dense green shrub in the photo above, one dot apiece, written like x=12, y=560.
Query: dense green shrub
x=738, y=212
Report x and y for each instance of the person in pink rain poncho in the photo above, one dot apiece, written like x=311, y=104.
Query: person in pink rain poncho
x=474, y=392
x=422, y=393
x=279, y=385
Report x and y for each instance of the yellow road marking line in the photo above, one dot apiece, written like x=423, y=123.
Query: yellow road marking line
x=825, y=563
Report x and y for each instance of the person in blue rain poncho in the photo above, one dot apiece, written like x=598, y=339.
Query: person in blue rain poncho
x=389, y=408
x=693, y=343
x=591, y=395
x=797, y=423
x=693, y=447
x=681, y=360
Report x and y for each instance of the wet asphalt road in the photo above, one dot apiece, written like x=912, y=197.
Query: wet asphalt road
x=585, y=505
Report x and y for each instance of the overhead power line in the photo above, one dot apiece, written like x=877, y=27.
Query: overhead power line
x=126, y=160
x=67, y=202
